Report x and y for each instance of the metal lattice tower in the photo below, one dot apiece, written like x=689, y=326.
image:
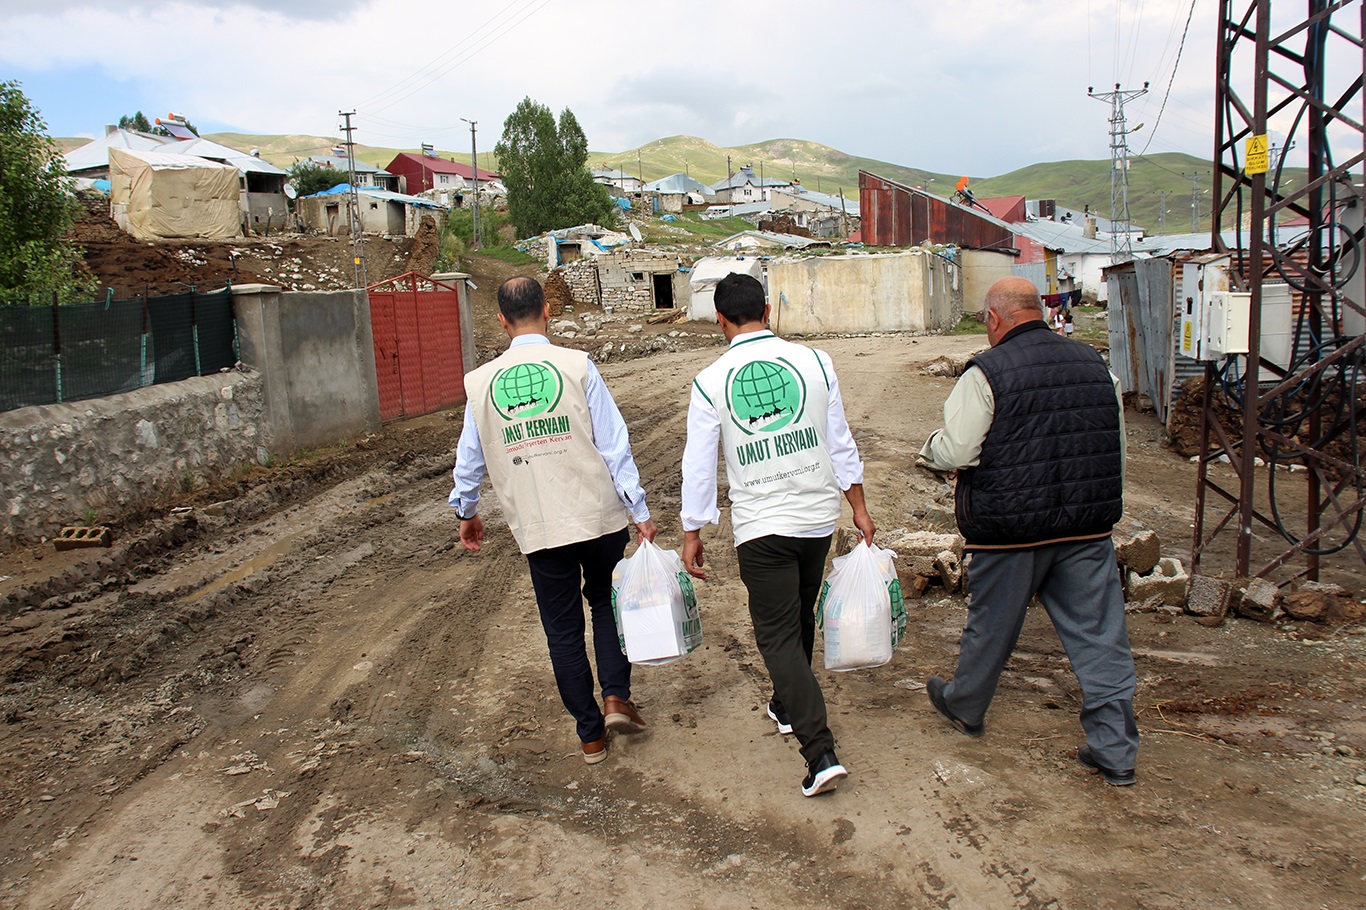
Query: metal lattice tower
x=1303, y=68
x=1121, y=250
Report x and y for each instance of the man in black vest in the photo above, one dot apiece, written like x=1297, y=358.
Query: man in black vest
x=1035, y=430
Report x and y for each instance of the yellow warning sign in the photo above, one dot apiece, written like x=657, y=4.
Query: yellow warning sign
x=1257, y=160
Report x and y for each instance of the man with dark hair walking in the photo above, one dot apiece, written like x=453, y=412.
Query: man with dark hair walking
x=775, y=409
x=1035, y=430
x=540, y=419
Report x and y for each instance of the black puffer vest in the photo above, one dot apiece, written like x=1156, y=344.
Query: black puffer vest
x=1051, y=466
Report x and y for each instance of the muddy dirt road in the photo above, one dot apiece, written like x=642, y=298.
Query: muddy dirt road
x=303, y=696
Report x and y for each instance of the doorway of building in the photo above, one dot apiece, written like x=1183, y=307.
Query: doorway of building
x=664, y=290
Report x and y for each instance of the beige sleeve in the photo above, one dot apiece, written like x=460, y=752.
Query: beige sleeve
x=968, y=412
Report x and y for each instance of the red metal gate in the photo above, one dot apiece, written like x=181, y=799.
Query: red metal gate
x=415, y=321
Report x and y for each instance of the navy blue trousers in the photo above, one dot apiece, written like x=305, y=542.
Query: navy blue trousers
x=563, y=577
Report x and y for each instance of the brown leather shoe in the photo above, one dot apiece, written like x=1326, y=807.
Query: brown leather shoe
x=622, y=715
x=595, y=751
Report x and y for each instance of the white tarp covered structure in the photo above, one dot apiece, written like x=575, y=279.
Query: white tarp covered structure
x=155, y=196
x=706, y=272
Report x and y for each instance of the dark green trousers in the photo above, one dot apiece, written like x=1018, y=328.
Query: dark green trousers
x=783, y=576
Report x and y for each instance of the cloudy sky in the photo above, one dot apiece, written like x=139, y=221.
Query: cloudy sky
x=979, y=87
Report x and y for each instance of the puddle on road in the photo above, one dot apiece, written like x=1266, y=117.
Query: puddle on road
x=267, y=557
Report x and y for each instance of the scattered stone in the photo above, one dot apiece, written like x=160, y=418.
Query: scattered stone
x=1261, y=601
x=950, y=567
x=1208, y=597
x=1167, y=581
x=1308, y=606
x=635, y=328
x=1139, y=553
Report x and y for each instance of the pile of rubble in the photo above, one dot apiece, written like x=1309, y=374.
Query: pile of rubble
x=1153, y=583
x=1157, y=584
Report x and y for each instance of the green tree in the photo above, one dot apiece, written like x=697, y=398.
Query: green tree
x=36, y=211
x=139, y=122
x=542, y=166
x=309, y=177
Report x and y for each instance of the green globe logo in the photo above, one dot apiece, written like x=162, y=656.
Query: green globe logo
x=765, y=396
x=525, y=390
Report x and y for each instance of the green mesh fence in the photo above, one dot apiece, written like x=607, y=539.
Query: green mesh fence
x=51, y=354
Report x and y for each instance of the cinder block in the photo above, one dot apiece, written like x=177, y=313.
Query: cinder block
x=1261, y=600
x=1139, y=553
x=1208, y=596
x=75, y=538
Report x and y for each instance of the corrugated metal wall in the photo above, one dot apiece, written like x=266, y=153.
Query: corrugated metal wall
x=894, y=214
x=1142, y=334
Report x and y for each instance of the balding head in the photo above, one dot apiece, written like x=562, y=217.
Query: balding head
x=1010, y=302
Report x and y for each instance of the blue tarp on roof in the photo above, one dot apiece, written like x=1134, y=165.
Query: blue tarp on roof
x=377, y=193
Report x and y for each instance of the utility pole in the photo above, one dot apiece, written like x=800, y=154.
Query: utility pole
x=474, y=166
x=1195, y=201
x=730, y=191
x=357, y=236
x=1120, y=250
x=1162, y=212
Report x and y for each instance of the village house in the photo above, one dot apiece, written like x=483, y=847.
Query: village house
x=420, y=173
x=262, y=202
x=670, y=194
x=620, y=181
x=744, y=186
x=366, y=174
x=381, y=211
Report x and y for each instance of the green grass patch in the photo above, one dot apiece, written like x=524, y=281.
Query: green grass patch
x=718, y=229
x=508, y=254
x=968, y=325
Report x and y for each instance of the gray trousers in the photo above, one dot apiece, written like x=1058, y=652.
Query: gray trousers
x=1078, y=585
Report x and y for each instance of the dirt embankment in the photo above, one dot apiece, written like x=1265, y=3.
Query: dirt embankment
x=301, y=695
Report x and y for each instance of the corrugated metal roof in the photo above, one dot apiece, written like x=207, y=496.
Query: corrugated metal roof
x=746, y=176
x=676, y=183
x=784, y=240
x=386, y=195
x=207, y=148
x=440, y=166
x=850, y=206
x=95, y=154
x=342, y=163
x=1066, y=238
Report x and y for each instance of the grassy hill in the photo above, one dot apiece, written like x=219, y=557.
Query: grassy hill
x=1156, y=182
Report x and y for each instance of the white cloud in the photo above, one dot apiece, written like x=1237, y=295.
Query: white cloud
x=978, y=86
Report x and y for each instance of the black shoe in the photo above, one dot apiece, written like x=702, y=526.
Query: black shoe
x=779, y=716
x=934, y=688
x=823, y=774
x=1112, y=777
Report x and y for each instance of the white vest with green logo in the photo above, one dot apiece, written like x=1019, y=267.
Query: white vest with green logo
x=772, y=397
x=534, y=426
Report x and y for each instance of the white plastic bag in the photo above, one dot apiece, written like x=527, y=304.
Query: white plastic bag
x=655, y=606
x=861, y=610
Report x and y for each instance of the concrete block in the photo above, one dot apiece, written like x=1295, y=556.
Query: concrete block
x=1208, y=596
x=1139, y=553
x=1261, y=600
x=76, y=538
x=1168, y=581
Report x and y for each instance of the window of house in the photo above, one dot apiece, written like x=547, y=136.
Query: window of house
x=445, y=179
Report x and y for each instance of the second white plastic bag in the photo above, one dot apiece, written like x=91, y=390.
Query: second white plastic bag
x=861, y=610
x=655, y=606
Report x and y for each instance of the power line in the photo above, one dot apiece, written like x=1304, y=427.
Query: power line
x=467, y=39
x=1175, y=67
x=527, y=13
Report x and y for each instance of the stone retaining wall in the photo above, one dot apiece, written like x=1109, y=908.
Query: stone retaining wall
x=67, y=463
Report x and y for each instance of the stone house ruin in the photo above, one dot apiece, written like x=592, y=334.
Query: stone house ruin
x=628, y=281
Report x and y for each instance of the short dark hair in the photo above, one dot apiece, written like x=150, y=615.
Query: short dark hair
x=520, y=299
x=740, y=298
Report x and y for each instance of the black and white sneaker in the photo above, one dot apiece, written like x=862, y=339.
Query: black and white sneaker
x=779, y=717
x=823, y=774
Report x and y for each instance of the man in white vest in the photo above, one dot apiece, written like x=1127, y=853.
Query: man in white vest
x=540, y=420
x=775, y=409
